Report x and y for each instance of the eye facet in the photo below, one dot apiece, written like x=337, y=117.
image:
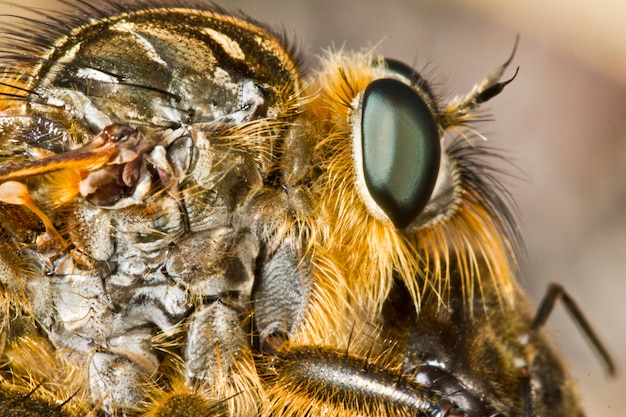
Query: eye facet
x=399, y=70
x=400, y=149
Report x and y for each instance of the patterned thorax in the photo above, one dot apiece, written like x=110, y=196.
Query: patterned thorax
x=166, y=67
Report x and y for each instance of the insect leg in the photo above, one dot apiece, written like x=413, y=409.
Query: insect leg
x=555, y=293
x=280, y=296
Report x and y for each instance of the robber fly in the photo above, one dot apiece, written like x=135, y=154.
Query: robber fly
x=193, y=226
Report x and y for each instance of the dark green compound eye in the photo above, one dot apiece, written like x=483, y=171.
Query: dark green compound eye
x=401, y=149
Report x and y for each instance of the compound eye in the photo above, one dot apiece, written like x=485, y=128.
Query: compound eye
x=400, y=149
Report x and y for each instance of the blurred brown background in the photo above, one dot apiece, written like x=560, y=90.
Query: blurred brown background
x=562, y=122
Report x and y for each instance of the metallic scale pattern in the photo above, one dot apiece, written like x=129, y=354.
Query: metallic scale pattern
x=192, y=225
